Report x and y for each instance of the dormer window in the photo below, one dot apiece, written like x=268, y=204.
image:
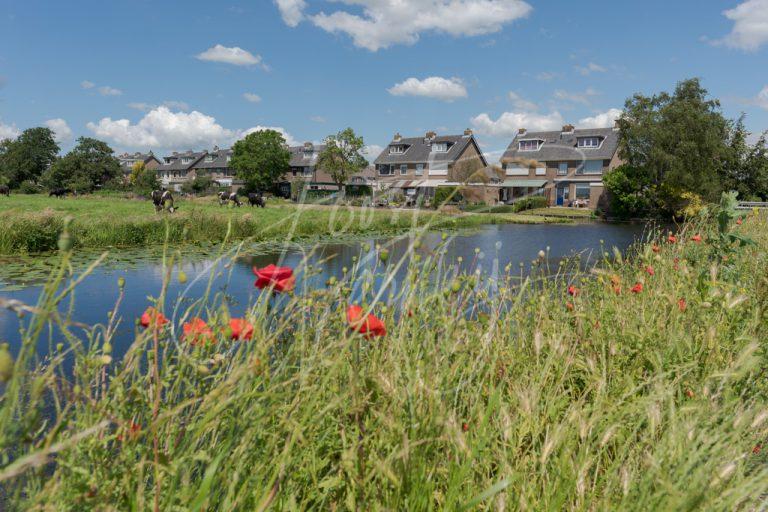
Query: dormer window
x=589, y=142
x=529, y=145
x=168, y=160
x=396, y=150
x=440, y=147
x=308, y=155
x=229, y=158
x=209, y=158
x=186, y=160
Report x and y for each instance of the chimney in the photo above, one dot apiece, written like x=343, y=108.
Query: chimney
x=521, y=131
x=468, y=132
x=308, y=145
x=430, y=135
x=397, y=137
x=568, y=128
x=616, y=125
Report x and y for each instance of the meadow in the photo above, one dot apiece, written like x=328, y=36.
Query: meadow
x=640, y=385
x=33, y=223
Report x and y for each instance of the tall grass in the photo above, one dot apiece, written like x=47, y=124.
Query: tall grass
x=494, y=391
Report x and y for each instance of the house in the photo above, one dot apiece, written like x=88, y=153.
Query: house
x=565, y=166
x=128, y=160
x=216, y=165
x=417, y=165
x=178, y=168
x=304, y=167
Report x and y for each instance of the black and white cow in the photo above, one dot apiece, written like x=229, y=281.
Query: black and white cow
x=5, y=190
x=255, y=199
x=59, y=192
x=163, y=200
x=225, y=197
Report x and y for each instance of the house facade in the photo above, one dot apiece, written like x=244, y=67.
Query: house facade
x=565, y=166
x=304, y=167
x=418, y=165
x=128, y=160
x=178, y=168
x=216, y=164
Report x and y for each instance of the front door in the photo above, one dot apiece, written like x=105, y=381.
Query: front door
x=562, y=195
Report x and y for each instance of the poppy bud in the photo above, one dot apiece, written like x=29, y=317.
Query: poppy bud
x=203, y=370
x=105, y=360
x=455, y=286
x=384, y=255
x=182, y=277
x=6, y=363
x=107, y=348
x=689, y=393
x=121, y=282
x=542, y=255
x=59, y=347
x=77, y=389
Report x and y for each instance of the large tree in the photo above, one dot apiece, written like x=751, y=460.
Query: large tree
x=746, y=168
x=27, y=157
x=342, y=156
x=90, y=164
x=261, y=159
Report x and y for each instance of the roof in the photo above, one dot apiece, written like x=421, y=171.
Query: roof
x=176, y=165
x=218, y=159
x=419, y=150
x=562, y=146
x=298, y=158
x=128, y=159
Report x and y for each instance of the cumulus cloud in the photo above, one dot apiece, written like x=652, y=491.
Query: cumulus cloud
x=444, y=89
x=61, y=130
x=582, y=97
x=509, y=122
x=235, y=56
x=292, y=11
x=521, y=103
x=162, y=128
x=601, y=120
x=383, y=23
x=8, y=131
x=372, y=151
x=253, y=98
x=750, y=25
x=590, y=68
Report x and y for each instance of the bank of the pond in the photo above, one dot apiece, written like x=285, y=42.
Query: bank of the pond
x=34, y=223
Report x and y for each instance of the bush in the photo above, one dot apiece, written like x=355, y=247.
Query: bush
x=30, y=187
x=358, y=190
x=446, y=195
x=529, y=203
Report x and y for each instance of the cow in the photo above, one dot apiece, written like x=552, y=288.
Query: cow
x=163, y=200
x=255, y=199
x=225, y=197
x=5, y=190
x=59, y=192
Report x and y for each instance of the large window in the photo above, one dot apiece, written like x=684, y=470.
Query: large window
x=589, y=142
x=562, y=169
x=403, y=169
x=529, y=145
x=593, y=167
x=440, y=147
x=394, y=150
x=541, y=171
x=419, y=169
x=516, y=170
x=582, y=191
x=386, y=170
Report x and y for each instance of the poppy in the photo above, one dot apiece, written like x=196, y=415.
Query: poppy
x=672, y=239
x=637, y=288
x=280, y=279
x=569, y=306
x=197, y=332
x=369, y=326
x=153, y=315
x=573, y=291
x=617, y=290
x=689, y=393
x=682, y=305
x=676, y=264
x=649, y=270
x=739, y=221
x=131, y=433
x=465, y=427
x=696, y=238
x=241, y=329
x=655, y=248
x=757, y=448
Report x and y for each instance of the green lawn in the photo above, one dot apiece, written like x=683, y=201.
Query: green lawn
x=559, y=211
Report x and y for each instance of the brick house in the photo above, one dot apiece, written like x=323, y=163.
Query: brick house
x=179, y=168
x=216, y=165
x=566, y=166
x=128, y=160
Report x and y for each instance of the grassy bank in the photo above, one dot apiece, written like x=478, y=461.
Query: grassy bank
x=34, y=223
x=495, y=393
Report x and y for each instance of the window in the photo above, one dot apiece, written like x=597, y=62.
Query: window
x=384, y=170
x=307, y=171
x=562, y=169
x=529, y=145
x=440, y=147
x=589, y=142
x=209, y=158
x=582, y=191
x=395, y=150
x=516, y=170
x=403, y=169
x=438, y=169
x=541, y=171
x=229, y=158
x=419, y=169
x=593, y=167
x=186, y=160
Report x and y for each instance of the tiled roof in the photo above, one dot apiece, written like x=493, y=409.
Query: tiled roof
x=419, y=150
x=559, y=146
x=128, y=159
x=219, y=160
x=298, y=159
x=175, y=161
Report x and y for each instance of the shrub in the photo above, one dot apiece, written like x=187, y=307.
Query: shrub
x=30, y=187
x=358, y=190
x=529, y=203
x=446, y=195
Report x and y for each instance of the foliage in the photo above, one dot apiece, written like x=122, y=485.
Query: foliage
x=446, y=195
x=355, y=189
x=29, y=187
x=136, y=169
x=199, y=185
x=89, y=165
x=529, y=203
x=27, y=157
x=746, y=168
x=144, y=180
x=261, y=159
x=342, y=156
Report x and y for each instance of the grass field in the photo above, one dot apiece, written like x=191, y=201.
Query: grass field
x=640, y=386
x=33, y=223
x=556, y=211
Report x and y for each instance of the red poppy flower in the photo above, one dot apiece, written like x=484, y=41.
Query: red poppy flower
x=655, y=248
x=757, y=448
x=682, y=305
x=573, y=291
x=676, y=262
x=369, y=326
x=617, y=290
x=152, y=315
x=280, y=279
x=739, y=221
x=637, y=288
x=569, y=306
x=241, y=329
x=672, y=239
x=197, y=332
x=696, y=238
x=465, y=427
x=649, y=270
x=689, y=393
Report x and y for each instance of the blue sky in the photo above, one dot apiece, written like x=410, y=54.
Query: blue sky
x=177, y=75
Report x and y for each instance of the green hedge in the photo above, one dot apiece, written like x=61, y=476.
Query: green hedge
x=446, y=195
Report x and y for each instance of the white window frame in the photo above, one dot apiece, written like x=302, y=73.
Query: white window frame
x=396, y=150
x=586, y=171
x=516, y=170
x=541, y=171
x=582, y=186
x=438, y=169
x=440, y=147
x=419, y=169
x=560, y=169
x=521, y=142
x=580, y=142
x=403, y=169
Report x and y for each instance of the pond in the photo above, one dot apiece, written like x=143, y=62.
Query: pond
x=489, y=249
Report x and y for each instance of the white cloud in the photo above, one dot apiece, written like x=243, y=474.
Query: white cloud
x=85, y=84
x=546, y=76
x=292, y=11
x=590, y=68
x=372, y=151
x=444, y=89
x=61, y=130
x=171, y=104
x=383, y=23
x=762, y=98
x=235, y=56
x=582, y=97
x=601, y=120
x=521, y=103
x=8, y=131
x=161, y=128
x=750, y=25
x=253, y=98
x=106, y=90
x=509, y=122
x=178, y=105
x=287, y=136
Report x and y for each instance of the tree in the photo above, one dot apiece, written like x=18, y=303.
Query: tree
x=199, y=185
x=90, y=164
x=342, y=156
x=746, y=169
x=136, y=170
x=145, y=181
x=261, y=159
x=27, y=157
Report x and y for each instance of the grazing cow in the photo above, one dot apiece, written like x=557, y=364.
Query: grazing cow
x=256, y=200
x=5, y=190
x=163, y=200
x=225, y=197
x=59, y=192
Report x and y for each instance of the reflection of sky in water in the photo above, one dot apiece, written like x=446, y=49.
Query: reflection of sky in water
x=499, y=245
